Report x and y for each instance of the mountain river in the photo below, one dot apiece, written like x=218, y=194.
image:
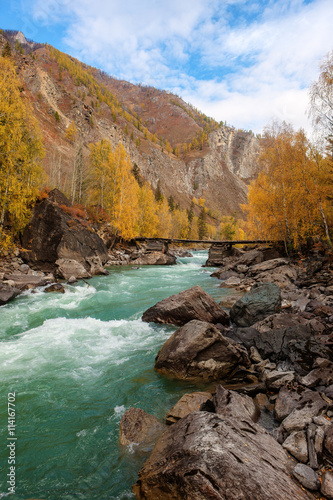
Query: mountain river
x=76, y=362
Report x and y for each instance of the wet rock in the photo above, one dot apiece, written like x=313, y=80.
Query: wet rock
x=199, y=350
x=72, y=280
x=206, y=456
x=187, y=404
x=262, y=301
x=70, y=267
x=137, y=426
x=294, y=397
x=327, y=484
x=55, y=287
x=296, y=445
x=7, y=293
x=282, y=276
x=231, y=404
x=307, y=477
x=185, y=306
x=96, y=266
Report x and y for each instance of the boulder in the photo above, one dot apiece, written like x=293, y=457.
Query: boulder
x=267, y=265
x=185, y=306
x=55, y=287
x=67, y=268
x=137, y=426
x=263, y=300
x=231, y=282
x=154, y=259
x=318, y=376
x=206, y=456
x=273, y=344
x=187, y=404
x=26, y=281
x=293, y=397
x=276, y=379
x=307, y=477
x=231, y=404
x=296, y=444
x=199, y=350
x=7, y=293
x=299, y=418
x=54, y=234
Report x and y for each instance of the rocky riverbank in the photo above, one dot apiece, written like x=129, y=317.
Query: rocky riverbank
x=58, y=245
x=275, y=350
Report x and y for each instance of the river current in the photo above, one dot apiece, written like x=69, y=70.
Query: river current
x=76, y=362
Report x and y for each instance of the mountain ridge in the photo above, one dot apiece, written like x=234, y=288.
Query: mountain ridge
x=172, y=145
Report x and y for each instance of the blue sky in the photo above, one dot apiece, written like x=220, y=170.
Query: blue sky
x=243, y=62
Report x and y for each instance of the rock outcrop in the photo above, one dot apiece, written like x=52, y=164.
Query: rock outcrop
x=54, y=235
x=199, y=350
x=206, y=456
x=185, y=306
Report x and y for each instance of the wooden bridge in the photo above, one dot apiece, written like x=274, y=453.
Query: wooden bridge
x=204, y=242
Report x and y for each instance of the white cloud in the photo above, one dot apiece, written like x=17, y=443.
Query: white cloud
x=245, y=65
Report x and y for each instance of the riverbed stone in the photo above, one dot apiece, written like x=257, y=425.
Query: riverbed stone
x=192, y=304
x=199, y=350
x=205, y=455
x=187, y=404
x=263, y=300
x=137, y=426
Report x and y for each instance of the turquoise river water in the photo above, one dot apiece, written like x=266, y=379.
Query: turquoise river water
x=76, y=362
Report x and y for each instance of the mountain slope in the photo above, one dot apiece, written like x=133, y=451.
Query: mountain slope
x=169, y=141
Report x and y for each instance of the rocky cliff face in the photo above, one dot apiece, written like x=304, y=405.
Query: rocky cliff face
x=218, y=171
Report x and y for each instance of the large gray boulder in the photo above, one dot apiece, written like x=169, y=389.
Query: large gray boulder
x=261, y=301
x=207, y=456
x=185, y=306
x=199, y=350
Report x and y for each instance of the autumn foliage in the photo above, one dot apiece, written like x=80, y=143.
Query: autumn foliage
x=290, y=199
x=20, y=152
